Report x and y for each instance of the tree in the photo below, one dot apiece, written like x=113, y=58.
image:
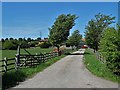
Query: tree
x=2, y=40
x=9, y=45
x=95, y=28
x=20, y=39
x=29, y=39
x=59, y=32
x=75, y=38
x=38, y=39
x=11, y=38
x=0, y=45
x=6, y=39
x=24, y=44
x=45, y=45
x=109, y=43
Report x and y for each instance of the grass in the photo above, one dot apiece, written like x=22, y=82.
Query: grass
x=0, y=54
x=12, y=78
x=98, y=68
x=11, y=53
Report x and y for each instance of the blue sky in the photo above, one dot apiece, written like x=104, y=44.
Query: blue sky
x=28, y=19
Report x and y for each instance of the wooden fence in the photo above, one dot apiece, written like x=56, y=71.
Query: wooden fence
x=99, y=56
x=7, y=64
x=25, y=60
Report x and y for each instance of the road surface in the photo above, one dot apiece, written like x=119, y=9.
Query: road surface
x=68, y=72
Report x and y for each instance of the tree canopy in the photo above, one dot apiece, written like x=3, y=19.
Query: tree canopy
x=59, y=31
x=75, y=38
x=95, y=28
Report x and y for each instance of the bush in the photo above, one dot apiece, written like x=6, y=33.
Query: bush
x=32, y=44
x=110, y=43
x=24, y=44
x=45, y=45
x=10, y=45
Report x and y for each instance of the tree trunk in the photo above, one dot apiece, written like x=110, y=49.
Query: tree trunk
x=72, y=47
x=94, y=50
x=58, y=48
x=59, y=53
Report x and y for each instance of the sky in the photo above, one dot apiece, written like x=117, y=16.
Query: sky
x=28, y=19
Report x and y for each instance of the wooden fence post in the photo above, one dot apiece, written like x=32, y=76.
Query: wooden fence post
x=5, y=64
x=17, y=61
x=18, y=55
x=43, y=58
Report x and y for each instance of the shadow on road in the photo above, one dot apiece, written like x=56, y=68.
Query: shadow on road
x=76, y=54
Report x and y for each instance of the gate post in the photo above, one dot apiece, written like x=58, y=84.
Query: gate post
x=17, y=58
x=18, y=55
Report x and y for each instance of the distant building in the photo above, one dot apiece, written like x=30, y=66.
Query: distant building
x=43, y=40
x=83, y=39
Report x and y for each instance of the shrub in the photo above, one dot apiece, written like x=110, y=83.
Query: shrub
x=45, y=45
x=24, y=44
x=10, y=45
x=110, y=43
x=32, y=44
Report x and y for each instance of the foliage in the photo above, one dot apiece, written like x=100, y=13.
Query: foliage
x=11, y=45
x=75, y=38
x=24, y=44
x=20, y=39
x=11, y=53
x=38, y=38
x=29, y=39
x=110, y=43
x=95, y=28
x=59, y=32
x=45, y=45
x=32, y=44
x=2, y=40
x=0, y=45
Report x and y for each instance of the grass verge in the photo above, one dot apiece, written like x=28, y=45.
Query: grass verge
x=98, y=68
x=13, y=78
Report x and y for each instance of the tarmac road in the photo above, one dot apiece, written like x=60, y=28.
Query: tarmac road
x=68, y=72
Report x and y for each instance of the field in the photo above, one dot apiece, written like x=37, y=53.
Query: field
x=11, y=53
x=0, y=54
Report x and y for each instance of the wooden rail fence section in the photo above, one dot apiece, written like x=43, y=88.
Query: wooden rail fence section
x=99, y=56
x=25, y=60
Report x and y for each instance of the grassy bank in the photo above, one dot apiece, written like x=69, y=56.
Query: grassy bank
x=12, y=78
x=98, y=68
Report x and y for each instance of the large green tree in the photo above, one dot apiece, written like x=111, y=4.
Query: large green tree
x=74, y=39
x=59, y=31
x=95, y=28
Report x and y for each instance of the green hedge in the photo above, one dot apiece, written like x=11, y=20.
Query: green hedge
x=110, y=43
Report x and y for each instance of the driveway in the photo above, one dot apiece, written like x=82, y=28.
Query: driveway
x=68, y=72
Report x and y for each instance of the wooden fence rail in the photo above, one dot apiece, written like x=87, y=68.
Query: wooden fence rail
x=25, y=60
x=5, y=66
x=99, y=56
